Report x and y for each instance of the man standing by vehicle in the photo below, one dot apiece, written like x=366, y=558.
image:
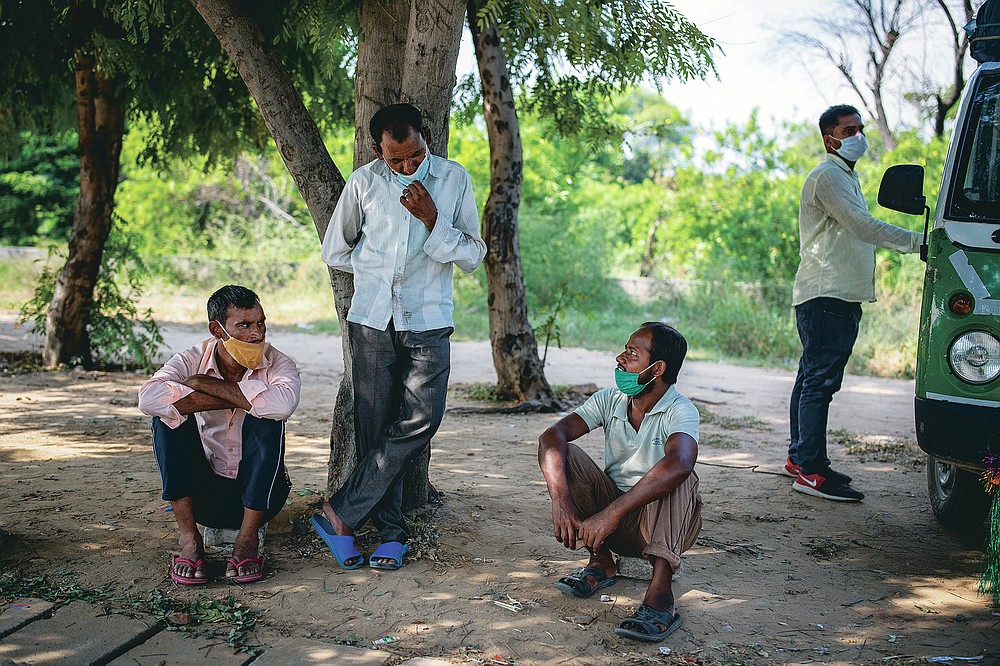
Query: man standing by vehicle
x=837, y=240
x=401, y=224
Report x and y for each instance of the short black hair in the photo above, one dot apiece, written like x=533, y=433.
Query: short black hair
x=831, y=117
x=668, y=346
x=230, y=295
x=398, y=120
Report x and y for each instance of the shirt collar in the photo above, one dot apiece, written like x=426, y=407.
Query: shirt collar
x=839, y=161
x=667, y=399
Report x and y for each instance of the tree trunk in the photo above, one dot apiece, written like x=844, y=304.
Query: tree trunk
x=307, y=160
x=382, y=63
x=101, y=126
x=515, y=352
x=649, y=255
x=408, y=53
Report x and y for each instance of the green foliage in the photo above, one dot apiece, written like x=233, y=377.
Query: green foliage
x=569, y=59
x=38, y=190
x=120, y=334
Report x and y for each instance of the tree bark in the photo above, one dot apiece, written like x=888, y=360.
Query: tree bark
x=515, y=352
x=386, y=52
x=101, y=127
x=408, y=53
x=309, y=163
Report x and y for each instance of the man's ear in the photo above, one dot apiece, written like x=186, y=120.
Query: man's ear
x=215, y=328
x=662, y=368
x=377, y=149
x=427, y=137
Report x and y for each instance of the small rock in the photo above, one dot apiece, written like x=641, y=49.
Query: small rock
x=605, y=597
x=179, y=618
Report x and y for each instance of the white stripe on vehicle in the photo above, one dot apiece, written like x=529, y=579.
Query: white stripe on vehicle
x=963, y=401
x=970, y=278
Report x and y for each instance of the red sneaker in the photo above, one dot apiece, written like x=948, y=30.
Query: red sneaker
x=791, y=469
x=827, y=488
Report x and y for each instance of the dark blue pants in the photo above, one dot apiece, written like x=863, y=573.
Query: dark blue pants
x=400, y=388
x=828, y=328
x=261, y=483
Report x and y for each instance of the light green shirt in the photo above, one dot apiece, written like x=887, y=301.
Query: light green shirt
x=837, y=237
x=628, y=454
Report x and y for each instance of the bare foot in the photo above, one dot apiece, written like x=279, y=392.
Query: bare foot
x=246, y=546
x=339, y=526
x=192, y=549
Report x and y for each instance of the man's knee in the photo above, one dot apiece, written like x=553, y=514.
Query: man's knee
x=263, y=432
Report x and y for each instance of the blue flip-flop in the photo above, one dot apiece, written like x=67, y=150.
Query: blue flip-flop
x=390, y=550
x=341, y=547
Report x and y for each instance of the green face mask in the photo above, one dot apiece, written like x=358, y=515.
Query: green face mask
x=628, y=382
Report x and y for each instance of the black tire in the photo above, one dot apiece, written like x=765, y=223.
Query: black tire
x=958, y=498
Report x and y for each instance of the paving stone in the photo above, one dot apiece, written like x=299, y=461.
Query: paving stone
x=306, y=652
x=78, y=634
x=174, y=648
x=17, y=613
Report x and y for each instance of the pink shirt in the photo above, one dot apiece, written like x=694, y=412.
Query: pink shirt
x=272, y=391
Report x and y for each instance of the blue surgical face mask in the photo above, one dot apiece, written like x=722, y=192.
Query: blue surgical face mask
x=628, y=382
x=420, y=173
x=853, y=147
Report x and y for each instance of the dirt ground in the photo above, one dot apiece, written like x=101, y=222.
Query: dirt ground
x=776, y=577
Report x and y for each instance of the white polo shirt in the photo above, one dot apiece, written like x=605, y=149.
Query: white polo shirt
x=628, y=454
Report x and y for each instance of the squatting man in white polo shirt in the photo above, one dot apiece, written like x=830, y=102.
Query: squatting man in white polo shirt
x=645, y=502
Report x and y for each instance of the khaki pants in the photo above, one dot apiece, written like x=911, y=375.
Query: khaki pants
x=664, y=528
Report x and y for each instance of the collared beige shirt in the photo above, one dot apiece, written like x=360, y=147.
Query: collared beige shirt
x=837, y=237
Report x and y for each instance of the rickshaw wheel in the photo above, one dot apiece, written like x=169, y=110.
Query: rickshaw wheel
x=958, y=498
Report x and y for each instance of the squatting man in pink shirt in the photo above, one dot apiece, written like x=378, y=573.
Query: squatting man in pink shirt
x=225, y=467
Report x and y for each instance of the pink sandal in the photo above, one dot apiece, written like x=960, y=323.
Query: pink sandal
x=247, y=578
x=196, y=565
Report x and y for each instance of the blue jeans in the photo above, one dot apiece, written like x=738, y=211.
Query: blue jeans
x=828, y=328
x=400, y=388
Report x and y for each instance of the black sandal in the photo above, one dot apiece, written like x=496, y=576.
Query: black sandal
x=648, y=625
x=577, y=585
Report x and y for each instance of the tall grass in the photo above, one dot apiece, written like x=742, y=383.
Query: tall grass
x=744, y=323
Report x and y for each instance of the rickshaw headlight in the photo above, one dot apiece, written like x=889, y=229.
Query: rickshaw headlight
x=975, y=357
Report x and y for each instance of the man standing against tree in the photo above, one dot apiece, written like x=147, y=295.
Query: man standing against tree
x=400, y=225
x=837, y=240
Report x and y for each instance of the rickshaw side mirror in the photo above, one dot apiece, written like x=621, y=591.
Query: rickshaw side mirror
x=902, y=189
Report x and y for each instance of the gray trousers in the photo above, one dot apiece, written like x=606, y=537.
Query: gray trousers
x=400, y=387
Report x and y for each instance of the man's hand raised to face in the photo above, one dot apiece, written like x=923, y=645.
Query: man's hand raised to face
x=418, y=201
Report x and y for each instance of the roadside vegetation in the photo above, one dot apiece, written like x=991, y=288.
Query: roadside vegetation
x=707, y=221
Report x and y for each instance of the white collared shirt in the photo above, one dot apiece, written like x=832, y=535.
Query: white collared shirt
x=629, y=454
x=837, y=237
x=402, y=272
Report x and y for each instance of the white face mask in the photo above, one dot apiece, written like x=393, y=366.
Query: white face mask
x=853, y=147
x=419, y=174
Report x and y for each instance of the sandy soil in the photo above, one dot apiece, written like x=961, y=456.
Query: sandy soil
x=776, y=576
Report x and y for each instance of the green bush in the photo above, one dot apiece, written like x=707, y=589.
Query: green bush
x=120, y=334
